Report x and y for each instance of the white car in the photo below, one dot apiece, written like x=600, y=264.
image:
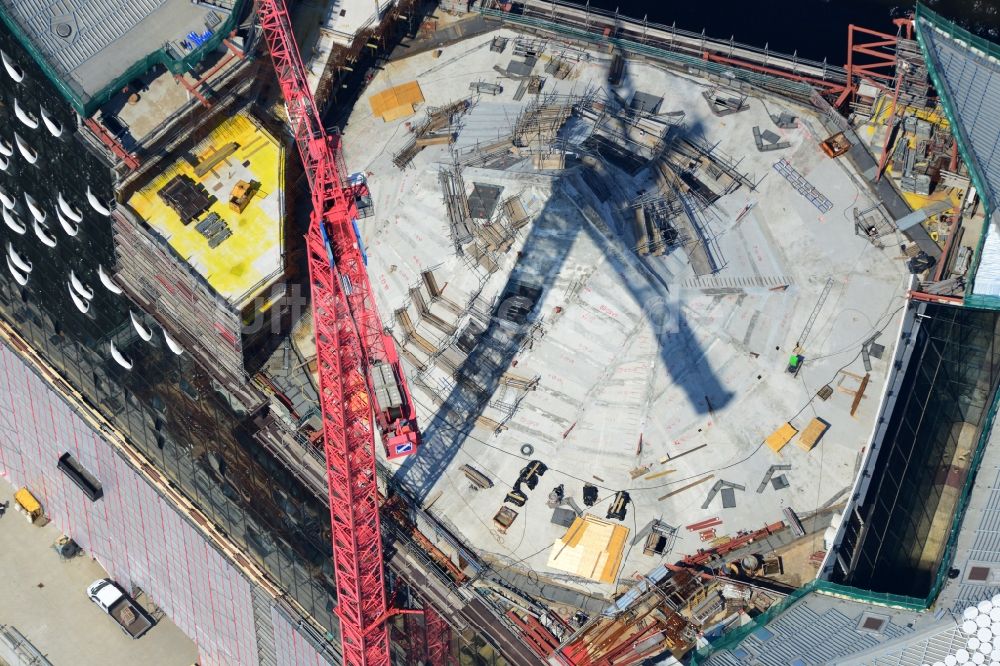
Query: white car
x=133, y=620
x=104, y=593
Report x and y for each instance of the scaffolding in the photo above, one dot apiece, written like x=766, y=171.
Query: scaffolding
x=456, y=203
x=644, y=623
x=200, y=320
x=652, y=223
x=538, y=125
x=438, y=128
x=689, y=52
x=683, y=208
x=874, y=224
x=630, y=138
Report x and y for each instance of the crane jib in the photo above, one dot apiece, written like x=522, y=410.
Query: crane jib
x=356, y=542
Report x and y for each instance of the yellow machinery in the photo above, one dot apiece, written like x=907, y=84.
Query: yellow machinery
x=836, y=145
x=26, y=504
x=241, y=195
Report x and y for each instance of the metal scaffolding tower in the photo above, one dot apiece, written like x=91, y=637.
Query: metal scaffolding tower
x=438, y=638
x=357, y=362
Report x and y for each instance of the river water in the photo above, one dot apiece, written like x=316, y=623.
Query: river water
x=817, y=29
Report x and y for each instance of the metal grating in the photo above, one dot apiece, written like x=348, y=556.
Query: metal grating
x=982, y=546
x=929, y=649
x=814, y=635
x=483, y=200
x=803, y=186
x=95, y=25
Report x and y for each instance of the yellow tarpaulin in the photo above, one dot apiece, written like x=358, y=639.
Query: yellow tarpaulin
x=591, y=548
x=397, y=102
x=777, y=439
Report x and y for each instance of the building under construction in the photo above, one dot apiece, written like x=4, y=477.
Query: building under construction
x=699, y=337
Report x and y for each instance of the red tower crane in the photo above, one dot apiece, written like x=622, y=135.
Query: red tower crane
x=358, y=364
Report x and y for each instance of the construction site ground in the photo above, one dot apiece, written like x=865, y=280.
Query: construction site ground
x=162, y=97
x=45, y=599
x=649, y=377
x=944, y=202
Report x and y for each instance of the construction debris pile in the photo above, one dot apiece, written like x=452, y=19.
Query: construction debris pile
x=666, y=612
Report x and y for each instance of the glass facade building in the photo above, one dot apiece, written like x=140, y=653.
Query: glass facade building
x=895, y=536
x=168, y=406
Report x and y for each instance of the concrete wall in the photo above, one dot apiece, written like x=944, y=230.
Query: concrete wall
x=132, y=531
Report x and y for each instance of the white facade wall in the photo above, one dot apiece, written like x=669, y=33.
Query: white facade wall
x=132, y=531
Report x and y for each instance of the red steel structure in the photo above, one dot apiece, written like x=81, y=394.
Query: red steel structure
x=357, y=361
x=877, y=51
x=112, y=144
x=415, y=640
x=871, y=57
x=428, y=640
x=438, y=638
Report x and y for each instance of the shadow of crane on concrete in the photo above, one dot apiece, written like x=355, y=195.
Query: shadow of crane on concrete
x=516, y=317
x=551, y=238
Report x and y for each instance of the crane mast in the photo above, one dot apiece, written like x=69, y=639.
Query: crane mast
x=357, y=361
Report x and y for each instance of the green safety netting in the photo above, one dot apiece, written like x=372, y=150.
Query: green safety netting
x=85, y=104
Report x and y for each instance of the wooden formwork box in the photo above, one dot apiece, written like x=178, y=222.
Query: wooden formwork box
x=777, y=439
x=812, y=434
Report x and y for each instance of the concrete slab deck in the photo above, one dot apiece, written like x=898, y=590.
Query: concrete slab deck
x=633, y=347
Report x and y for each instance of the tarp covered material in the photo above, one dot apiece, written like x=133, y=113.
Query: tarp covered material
x=396, y=102
x=988, y=274
x=591, y=548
